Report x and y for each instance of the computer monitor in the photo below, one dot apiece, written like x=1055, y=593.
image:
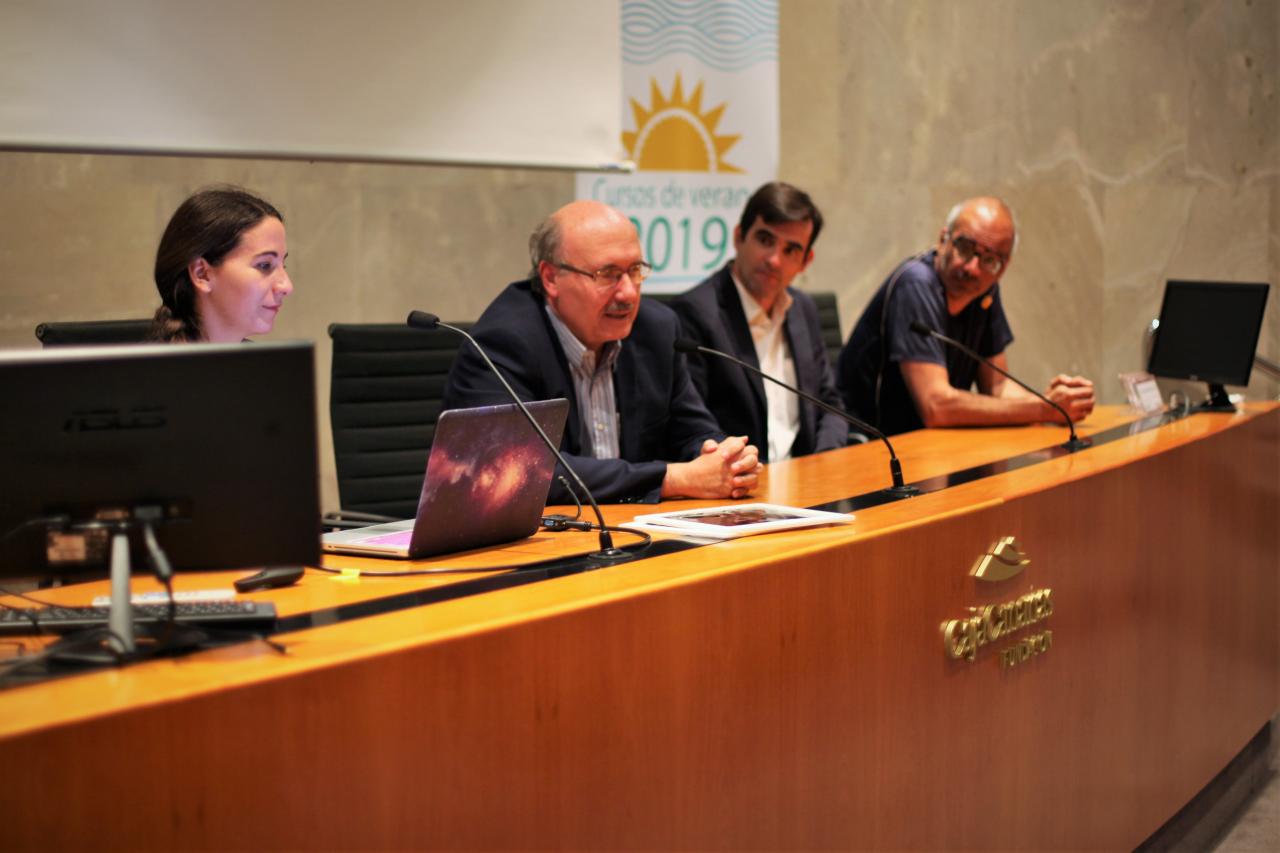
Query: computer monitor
x=1208, y=332
x=217, y=441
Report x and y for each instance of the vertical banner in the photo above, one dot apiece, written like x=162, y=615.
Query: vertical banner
x=700, y=121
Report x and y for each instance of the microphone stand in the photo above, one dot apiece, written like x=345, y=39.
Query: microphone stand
x=607, y=553
x=1072, y=444
x=897, y=491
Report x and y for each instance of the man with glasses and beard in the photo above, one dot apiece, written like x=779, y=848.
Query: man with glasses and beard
x=900, y=380
x=577, y=328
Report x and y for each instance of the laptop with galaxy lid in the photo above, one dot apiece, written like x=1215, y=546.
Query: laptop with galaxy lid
x=487, y=481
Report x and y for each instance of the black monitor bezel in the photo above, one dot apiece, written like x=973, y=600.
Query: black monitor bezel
x=1161, y=342
x=227, y=398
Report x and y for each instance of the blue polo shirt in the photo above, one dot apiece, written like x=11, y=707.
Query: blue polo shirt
x=882, y=338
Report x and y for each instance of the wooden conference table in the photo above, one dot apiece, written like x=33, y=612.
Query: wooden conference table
x=796, y=690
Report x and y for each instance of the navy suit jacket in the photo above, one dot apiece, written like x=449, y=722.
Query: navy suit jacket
x=712, y=315
x=661, y=417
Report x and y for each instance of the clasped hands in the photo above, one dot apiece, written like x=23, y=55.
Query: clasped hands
x=724, y=469
x=1072, y=393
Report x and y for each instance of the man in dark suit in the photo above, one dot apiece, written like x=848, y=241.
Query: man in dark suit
x=749, y=310
x=637, y=430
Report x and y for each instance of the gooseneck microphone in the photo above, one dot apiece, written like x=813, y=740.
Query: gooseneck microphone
x=898, y=490
x=1073, y=444
x=607, y=552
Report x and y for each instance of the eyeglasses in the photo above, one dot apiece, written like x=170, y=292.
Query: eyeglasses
x=966, y=248
x=607, y=278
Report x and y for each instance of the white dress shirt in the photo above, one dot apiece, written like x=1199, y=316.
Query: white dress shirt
x=783, y=407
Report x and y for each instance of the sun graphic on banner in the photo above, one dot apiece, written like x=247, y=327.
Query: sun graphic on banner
x=674, y=135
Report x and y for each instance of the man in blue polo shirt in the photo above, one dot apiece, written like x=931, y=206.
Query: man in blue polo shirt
x=900, y=380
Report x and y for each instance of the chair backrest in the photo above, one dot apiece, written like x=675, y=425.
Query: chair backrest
x=387, y=384
x=93, y=332
x=829, y=322
x=828, y=319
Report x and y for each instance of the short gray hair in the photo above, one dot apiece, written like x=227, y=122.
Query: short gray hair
x=544, y=245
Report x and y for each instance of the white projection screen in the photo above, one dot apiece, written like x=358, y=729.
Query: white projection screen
x=486, y=82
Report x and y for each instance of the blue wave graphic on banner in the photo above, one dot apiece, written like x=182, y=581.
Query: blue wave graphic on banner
x=727, y=36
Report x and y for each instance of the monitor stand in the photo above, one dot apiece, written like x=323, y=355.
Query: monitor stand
x=1218, y=400
x=120, y=616
x=122, y=636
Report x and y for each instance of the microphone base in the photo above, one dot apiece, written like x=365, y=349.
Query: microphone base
x=1071, y=445
x=900, y=492
x=610, y=556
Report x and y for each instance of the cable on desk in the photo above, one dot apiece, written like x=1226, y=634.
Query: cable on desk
x=164, y=571
x=28, y=612
x=577, y=502
x=31, y=522
x=67, y=649
x=558, y=522
x=216, y=633
x=92, y=648
x=645, y=540
x=24, y=597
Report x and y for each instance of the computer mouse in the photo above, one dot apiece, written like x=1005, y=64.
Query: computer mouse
x=270, y=578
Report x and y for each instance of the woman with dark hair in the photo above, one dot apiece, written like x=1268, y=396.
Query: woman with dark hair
x=220, y=268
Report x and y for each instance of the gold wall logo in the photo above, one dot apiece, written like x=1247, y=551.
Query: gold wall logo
x=962, y=638
x=1002, y=561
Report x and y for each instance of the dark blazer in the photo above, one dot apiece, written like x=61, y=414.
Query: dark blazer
x=712, y=315
x=661, y=417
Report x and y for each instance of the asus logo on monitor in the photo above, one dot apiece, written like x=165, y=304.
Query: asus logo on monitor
x=103, y=420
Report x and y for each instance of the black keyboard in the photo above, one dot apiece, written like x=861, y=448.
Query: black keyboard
x=227, y=615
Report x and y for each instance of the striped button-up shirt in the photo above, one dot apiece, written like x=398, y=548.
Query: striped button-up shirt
x=593, y=384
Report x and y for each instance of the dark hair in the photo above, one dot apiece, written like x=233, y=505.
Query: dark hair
x=207, y=225
x=777, y=202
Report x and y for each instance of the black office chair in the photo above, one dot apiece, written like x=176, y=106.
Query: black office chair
x=829, y=322
x=387, y=385
x=92, y=332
